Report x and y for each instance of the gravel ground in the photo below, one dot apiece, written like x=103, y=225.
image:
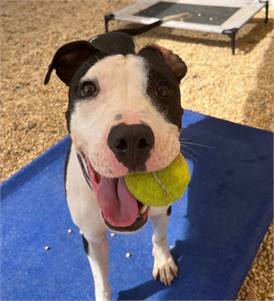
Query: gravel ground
x=236, y=88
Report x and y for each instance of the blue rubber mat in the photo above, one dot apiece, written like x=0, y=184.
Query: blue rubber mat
x=215, y=230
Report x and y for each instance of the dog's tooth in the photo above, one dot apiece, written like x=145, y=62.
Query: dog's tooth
x=143, y=209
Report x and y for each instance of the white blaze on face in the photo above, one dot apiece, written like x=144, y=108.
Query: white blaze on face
x=123, y=82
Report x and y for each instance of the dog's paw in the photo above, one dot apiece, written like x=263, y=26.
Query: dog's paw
x=166, y=270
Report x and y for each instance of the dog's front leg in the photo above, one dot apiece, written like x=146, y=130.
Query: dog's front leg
x=97, y=252
x=164, y=266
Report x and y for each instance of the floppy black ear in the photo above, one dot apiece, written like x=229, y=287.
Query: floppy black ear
x=68, y=59
x=172, y=60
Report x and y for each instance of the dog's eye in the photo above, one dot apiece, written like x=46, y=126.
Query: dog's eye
x=162, y=89
x=88, y=89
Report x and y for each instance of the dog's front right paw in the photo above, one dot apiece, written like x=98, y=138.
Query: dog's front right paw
x=165, y=269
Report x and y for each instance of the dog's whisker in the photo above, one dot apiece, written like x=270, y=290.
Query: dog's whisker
x=185, y=139
x=197, y=144
x=189, y=148
x=187, y=154
x=201, y=145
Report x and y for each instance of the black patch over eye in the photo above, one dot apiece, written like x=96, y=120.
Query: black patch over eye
x=88, y=89
x=162, y=90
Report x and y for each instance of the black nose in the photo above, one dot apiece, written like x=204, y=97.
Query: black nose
x=131, y=144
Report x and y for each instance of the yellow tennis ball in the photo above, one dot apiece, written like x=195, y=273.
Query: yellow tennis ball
x=162, y=187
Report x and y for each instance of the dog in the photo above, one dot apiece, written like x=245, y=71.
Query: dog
x=124, y=116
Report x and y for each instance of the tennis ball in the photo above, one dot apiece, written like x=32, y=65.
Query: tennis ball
x=162, y=187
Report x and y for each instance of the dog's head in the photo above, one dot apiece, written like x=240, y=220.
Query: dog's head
x=124, y=112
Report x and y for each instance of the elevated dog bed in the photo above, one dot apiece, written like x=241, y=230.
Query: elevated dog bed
x=223, y=16
x=214, y=231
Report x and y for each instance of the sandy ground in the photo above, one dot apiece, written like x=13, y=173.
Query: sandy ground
x=236, y=88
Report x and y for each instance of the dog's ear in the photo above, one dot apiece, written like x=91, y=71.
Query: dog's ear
x=173, y=61
x=68, y=58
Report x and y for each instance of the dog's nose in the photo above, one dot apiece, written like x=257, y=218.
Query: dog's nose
x=131, y=144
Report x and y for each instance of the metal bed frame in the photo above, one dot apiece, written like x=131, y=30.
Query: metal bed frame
x=228, y=16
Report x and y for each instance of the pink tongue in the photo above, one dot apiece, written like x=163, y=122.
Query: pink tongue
x=119, y=207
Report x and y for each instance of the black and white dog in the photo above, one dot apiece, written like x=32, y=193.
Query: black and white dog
x=124, y=116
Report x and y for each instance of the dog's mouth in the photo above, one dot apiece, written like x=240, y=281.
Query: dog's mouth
x=121, y=211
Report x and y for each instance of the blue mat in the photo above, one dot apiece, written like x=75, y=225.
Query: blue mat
x=215, y=229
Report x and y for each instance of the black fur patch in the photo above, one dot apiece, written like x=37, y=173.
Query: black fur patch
x=66, y=165
x=85, y=244
x=158, y=72
x=114, y=43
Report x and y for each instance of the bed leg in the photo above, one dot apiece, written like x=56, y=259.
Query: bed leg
x=232, y=34
x=108, y=18
x=233, y=42
x=266, y=11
